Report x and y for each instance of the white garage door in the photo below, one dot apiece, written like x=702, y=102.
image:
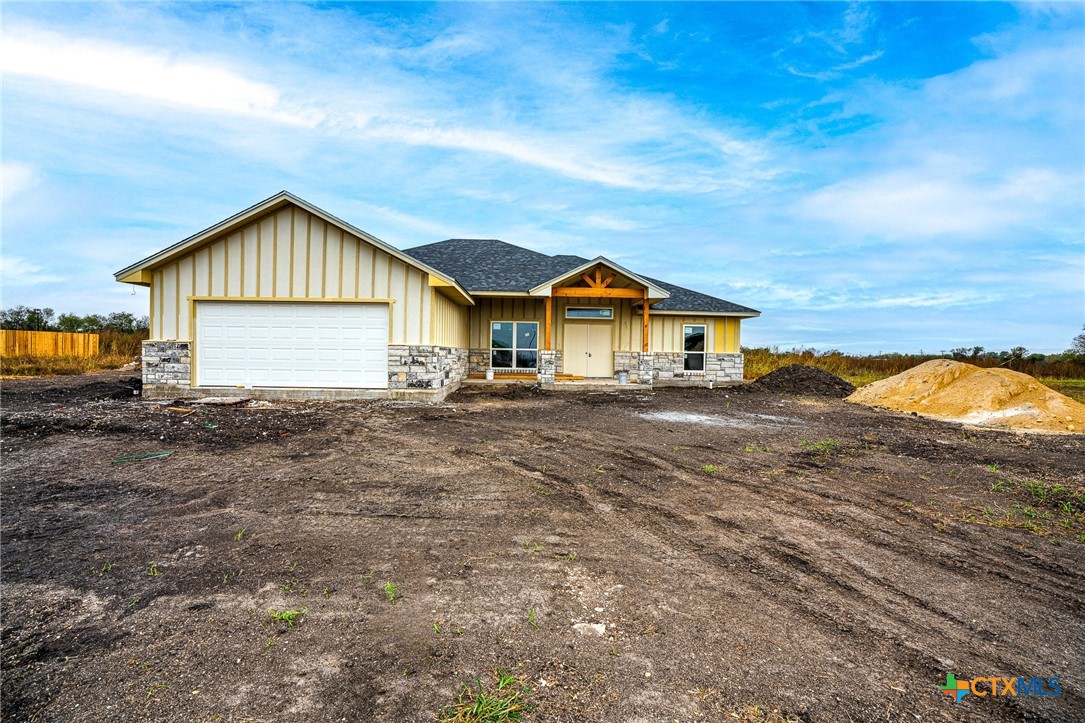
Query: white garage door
x=291, y=344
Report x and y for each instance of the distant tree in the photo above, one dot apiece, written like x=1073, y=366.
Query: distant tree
x=120, y=321
x=977, y=352
x=93, y=322
x=1018, y=352
x=26, y=319
x=69, y=322
x=1077, y=346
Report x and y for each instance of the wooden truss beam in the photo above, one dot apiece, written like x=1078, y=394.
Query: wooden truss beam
x=574, y=291
x=598, y=282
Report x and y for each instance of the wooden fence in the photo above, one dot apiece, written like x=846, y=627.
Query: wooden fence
x=47, y=343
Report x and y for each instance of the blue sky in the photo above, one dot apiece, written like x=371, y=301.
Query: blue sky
x=872, y=177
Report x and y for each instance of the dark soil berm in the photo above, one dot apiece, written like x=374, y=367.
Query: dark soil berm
x=802, y=380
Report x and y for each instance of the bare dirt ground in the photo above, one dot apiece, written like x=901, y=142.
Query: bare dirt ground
x=730, y=554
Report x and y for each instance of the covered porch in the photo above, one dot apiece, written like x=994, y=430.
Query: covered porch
x=594, y=325
x=586, y=325
x=596, y=320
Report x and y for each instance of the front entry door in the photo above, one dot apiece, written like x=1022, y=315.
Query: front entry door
x=589, y=351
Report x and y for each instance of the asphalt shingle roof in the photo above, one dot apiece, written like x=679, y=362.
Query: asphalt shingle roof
x=493, y=265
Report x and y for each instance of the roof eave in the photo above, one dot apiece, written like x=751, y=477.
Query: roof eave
x=271, y=204
x=654, y=292
x=224, y=226
x=699, y=312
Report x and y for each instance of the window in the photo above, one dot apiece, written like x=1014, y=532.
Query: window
x=514, y=344
x=589, y=312
x=693, y=346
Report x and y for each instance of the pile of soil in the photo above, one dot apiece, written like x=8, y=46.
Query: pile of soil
x=74, y=389
x=959, y=392
x=804, y=380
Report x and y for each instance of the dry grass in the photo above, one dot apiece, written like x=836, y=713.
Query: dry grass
x=34, y=366
x=1064, y=377
x=115, y=342
x=115, y=349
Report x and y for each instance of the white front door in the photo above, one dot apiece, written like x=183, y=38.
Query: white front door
x=291, y=344
x=589, y=350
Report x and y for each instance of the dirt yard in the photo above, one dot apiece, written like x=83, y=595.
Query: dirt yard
x=681, y=555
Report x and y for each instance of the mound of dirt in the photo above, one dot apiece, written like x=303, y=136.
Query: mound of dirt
x=959, y=392
x=74, y=390
x=803, y=380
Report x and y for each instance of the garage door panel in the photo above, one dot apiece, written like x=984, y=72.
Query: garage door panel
x=292, y=344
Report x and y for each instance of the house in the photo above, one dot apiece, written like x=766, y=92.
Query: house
x=285, y=300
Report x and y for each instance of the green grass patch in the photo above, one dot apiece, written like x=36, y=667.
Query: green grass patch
x=290, y=617
x=504, y=700
x=1050, y=509
x=1073, y=388
x=822, y=446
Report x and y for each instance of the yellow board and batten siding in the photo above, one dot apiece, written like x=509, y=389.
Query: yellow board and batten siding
x=450, y=322
x=665, y=331
x=292, y=254
x=667, y=334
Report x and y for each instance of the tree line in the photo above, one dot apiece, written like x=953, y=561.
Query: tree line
x=22, y=318
x=974, y=354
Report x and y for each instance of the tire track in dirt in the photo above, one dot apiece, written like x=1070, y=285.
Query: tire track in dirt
x=886, y=609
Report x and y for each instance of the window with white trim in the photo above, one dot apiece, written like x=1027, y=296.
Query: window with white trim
x=589, y=312
x=514, y=344
x=693, y=339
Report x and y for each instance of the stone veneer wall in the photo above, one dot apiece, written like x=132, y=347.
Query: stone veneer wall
x=668, y=368
x=478, y=361
x=550, y=364
x=167, y=362
x=426, y=367
x=637, y=365
x=167, y=369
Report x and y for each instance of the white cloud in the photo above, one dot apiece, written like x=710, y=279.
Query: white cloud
x=942, y=299
x=18, y=271
x=609, y=223
x=930, y=202
x=518, y=148
x=16, y=177
x=144, y=73
x=586, y=129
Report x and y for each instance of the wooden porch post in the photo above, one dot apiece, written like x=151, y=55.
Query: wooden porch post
x=644, y=337
x=549, y=319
